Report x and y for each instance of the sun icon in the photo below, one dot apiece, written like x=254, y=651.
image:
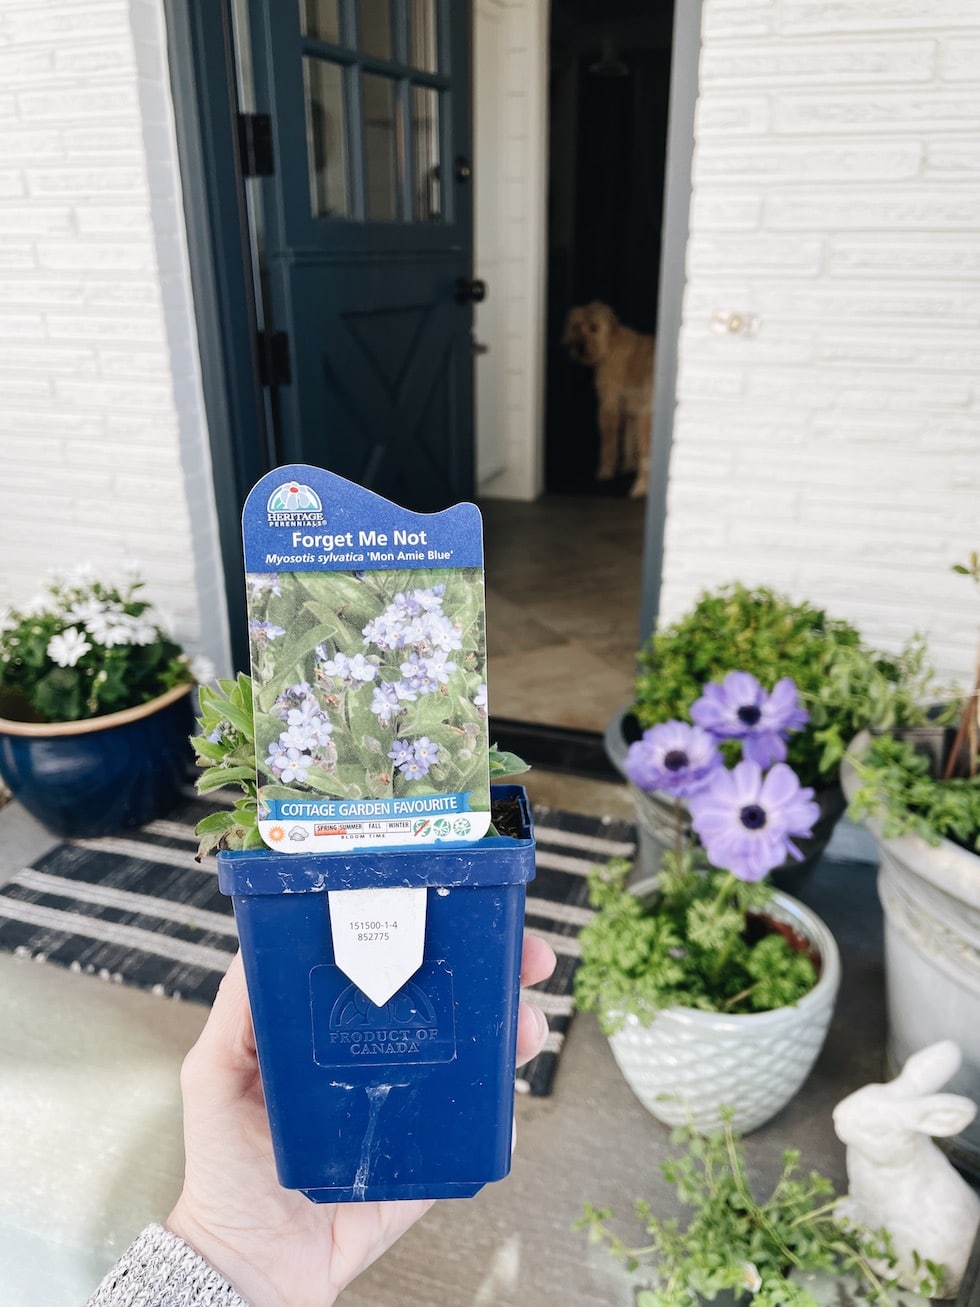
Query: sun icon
x=276, y=833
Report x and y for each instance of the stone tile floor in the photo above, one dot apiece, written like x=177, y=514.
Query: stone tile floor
x=563, y=607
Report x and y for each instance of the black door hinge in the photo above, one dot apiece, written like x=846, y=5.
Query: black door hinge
x=255, y=145
x=274, y=365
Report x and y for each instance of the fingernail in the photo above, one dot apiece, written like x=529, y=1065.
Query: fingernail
x=543, y=1028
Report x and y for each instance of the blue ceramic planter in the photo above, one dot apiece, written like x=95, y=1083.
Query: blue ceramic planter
x=101, y=776
x=414, y=1099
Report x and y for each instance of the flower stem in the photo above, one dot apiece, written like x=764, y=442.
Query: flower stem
x=728, y=883
x=678, y=832
x=737, y=998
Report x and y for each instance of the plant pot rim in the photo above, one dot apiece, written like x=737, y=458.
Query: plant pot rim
x=951, y=858
x=45, y=730
x=817, y=932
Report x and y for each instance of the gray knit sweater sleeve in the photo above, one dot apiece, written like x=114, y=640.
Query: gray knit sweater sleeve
x=160, y=1270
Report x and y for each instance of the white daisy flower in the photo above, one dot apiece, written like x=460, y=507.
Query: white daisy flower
x=66, y=649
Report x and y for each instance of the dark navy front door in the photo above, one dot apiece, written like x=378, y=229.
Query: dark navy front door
x=364, y=239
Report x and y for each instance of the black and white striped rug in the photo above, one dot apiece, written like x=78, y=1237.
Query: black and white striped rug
x=138, y=910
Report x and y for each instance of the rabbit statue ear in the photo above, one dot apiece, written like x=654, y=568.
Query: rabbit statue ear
x=939, y=1115
x=928, y=1069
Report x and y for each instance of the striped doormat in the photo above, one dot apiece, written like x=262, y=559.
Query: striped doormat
x=140, y=911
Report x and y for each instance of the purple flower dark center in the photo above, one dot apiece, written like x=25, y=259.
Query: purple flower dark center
x=753, y=817
x=675, y=760
x=749, y=714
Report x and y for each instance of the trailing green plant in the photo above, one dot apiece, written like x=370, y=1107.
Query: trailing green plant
x=736, y=1242
x=899, y=789
x=911, y=791
x=85, y=647
x=225, y=749
x=701, y=940
x=844, y=685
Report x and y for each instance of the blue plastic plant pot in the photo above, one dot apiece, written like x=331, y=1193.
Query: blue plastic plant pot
x=414, y=1099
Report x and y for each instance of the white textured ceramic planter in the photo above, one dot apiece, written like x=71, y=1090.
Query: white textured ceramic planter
x=687, y=1065
x=930, y=895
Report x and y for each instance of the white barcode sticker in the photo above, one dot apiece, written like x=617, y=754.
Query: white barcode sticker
x=378, y=937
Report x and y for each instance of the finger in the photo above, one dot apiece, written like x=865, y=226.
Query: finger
x=538, y=961
x=223, y=1063
x=532, y=1031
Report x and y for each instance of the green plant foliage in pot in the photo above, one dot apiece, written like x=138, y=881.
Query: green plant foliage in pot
x=898, y=786
x=705, y=966
x=843, y=686
x=917, y=789
x=922, y=776
x=86, y=647
x=94, y=706
x=756, y=1250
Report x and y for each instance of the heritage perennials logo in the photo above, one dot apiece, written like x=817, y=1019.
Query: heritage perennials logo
x=294, y=504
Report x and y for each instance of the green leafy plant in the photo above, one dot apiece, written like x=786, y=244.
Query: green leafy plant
x=703, y=934
x=225, y=749
x=910, y=789
x=899, y=788
x=701, y=940
x=86, y=647
x=844, y=686
x=736, y=1242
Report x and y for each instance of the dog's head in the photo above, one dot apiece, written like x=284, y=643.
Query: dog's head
x=589, y=329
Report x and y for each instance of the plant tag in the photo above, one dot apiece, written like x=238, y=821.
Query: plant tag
x=367, y=634
x=378, y=937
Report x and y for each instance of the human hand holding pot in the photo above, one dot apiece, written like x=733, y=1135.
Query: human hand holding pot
x=276, y=1247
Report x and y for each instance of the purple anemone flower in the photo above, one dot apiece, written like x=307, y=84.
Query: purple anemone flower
x=748, y=821
x=673, y=757
x=739, y=708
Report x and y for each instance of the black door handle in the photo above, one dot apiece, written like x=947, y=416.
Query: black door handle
x=470, y=291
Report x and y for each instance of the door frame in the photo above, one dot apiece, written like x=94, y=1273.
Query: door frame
x=684, y=64
x=202, y=77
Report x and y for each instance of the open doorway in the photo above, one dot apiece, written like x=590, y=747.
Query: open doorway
x=609, y=84
x=564, y=587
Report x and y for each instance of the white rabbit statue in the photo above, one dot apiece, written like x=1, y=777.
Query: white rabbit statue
x=898, y=1179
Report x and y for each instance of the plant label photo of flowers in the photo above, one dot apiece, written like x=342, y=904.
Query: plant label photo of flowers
x=367, y=636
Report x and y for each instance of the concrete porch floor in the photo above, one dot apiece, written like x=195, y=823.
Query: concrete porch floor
x=90, y=1117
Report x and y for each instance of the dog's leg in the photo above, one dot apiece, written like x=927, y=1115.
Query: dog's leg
x=609, y=420
x=642, y=432
x=631, y=443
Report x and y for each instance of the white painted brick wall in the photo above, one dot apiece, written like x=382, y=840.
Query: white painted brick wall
x=835, y=452
x=102, y=432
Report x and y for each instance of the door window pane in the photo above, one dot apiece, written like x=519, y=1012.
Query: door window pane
x=427, y=204
x=422, y=36
x=326, y=139
x=380, y=149
x=320, y=18
x=375, y=28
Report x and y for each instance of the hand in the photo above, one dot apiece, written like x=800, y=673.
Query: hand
x=275, y=1246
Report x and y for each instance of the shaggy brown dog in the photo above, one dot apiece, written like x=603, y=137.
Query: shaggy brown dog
x=623, y=364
